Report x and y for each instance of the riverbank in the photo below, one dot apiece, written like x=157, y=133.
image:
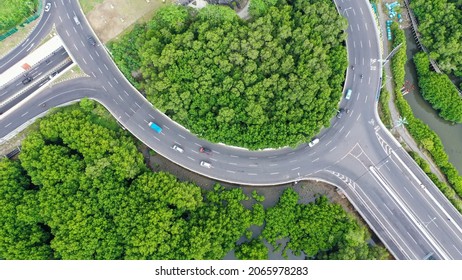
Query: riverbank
x=416, y=136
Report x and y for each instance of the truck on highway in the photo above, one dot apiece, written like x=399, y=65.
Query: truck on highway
x=155, y=127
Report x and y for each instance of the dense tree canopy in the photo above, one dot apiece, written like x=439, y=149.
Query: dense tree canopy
x=438, y=90
x=14, y=12
x=320, y=230
x=252, y=250
x=270, y=82
x=440, y=23
x=93, y=198
x=81, y=191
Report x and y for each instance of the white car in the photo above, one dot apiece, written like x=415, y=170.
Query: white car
x=206, y=164
x=348, y=94
x=47, y=7
x=313, y=142
x=177, y=148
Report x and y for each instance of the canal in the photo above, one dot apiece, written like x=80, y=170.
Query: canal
x=451, y=135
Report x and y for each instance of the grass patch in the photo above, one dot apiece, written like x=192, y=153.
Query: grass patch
x=88, y=5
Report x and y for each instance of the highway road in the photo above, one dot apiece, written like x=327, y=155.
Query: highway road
x=35, y=73
x=356, y=153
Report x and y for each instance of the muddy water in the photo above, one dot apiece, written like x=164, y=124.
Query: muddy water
x=451, y=135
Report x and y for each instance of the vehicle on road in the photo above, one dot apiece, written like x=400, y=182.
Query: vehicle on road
x=348, y=94
x=340, y=113
x=76, y=19
x=205, y=150
x=361, y=76
x=91, y=40
x=313, y=142
x=26, y=80
x=155, y=127
x=177, y=148
x=47, y=7
x=206, y=164
x=53, y=74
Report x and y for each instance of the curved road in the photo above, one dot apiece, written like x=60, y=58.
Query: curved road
x=357, y=154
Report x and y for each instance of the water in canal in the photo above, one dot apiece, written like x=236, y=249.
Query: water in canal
x=451, y=135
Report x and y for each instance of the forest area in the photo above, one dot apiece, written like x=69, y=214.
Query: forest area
x=273, y=81
x=14, y=12
x=438, y=90
x=440, y=25
x=81, y=190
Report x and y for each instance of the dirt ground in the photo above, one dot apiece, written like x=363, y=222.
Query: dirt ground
x=111, y=17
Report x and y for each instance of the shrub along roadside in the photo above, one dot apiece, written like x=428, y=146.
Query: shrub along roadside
x=384, y=110
x=444, y=188
x=428, y=140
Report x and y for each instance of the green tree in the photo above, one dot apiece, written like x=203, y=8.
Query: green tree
x=252, y=250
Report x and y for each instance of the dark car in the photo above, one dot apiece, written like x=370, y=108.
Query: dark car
x=91, y=40
x=340, y=113
x=205, y=150
x=26, y=80
x=53, y=74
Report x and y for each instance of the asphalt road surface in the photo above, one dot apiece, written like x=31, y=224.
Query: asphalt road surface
x=357, y=154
